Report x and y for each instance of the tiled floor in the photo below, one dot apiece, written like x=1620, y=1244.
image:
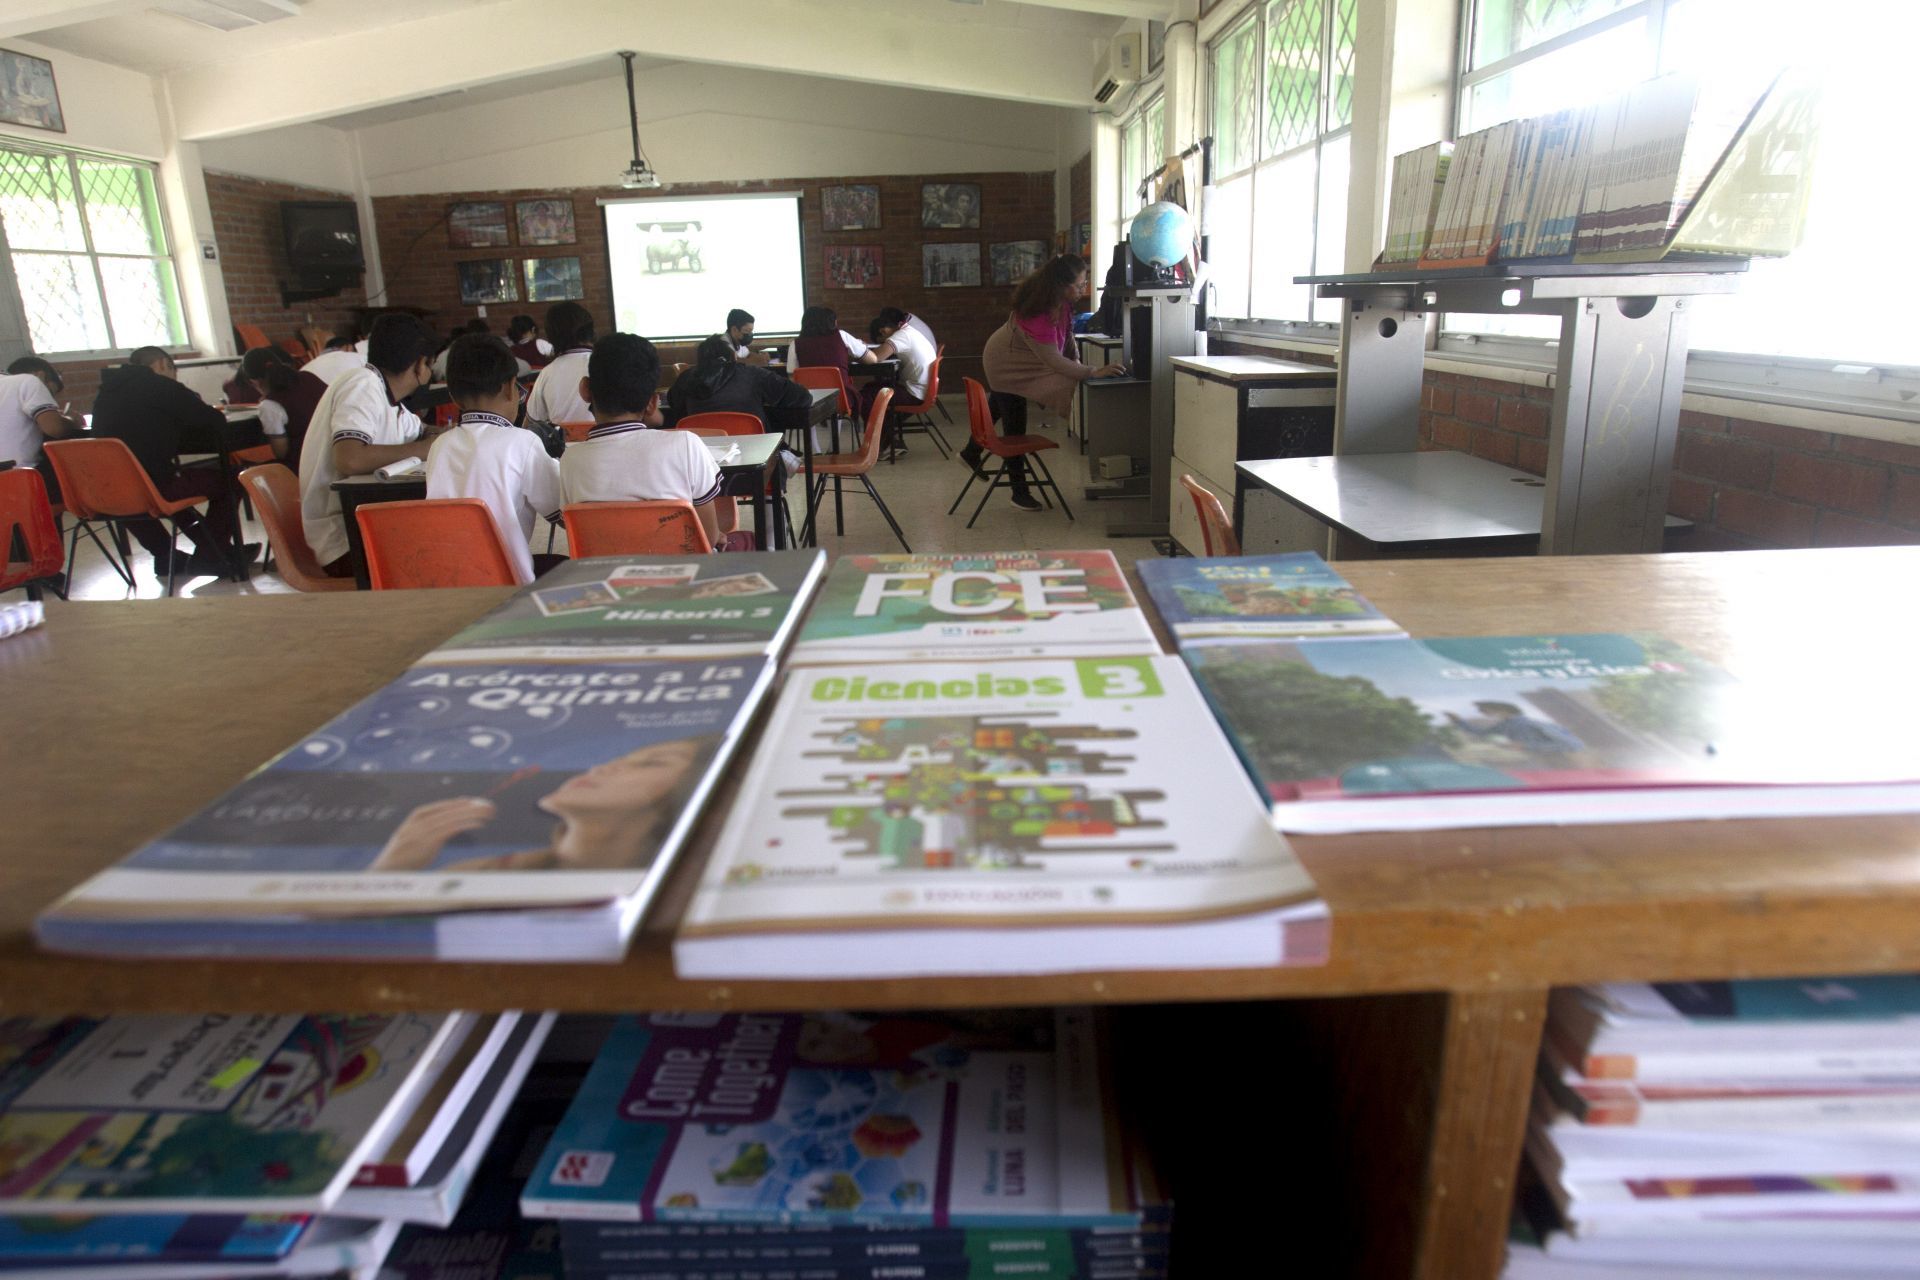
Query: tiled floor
x=918, y=489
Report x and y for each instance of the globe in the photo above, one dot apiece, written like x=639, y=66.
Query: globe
x=1161, y=234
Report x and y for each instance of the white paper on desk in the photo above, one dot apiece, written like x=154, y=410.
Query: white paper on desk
x=724, y=450
x=406, y=466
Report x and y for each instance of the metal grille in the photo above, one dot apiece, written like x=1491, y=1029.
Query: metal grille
x=1153, y=143
x=1236, y=102
x=1340, y=81
x=1293, y=73
x=37, y=201
x=1503, y=28
x=122, y=214
x=141, y=301
x=62, y=302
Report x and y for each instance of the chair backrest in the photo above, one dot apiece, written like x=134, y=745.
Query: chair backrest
x=575, y=432
x=276, y=497
x=1215, y=527
x=733, y=424
x=102, y=478
x=446, y=415
x=704, y=431
x=826, y=377
x=658, y=527
x=251, y=336
x=433, y=542
x=980, y=415
x=876, y=427
x=26, y=519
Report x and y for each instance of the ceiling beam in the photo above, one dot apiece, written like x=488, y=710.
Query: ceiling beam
x=1050, y=62
x=25, y=17
x=1155, y=10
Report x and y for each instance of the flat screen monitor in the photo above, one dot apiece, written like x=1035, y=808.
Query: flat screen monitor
x=680, y=263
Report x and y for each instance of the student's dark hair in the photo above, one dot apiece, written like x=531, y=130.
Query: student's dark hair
x=1045, y=290
x=819, y=322
x=737, y=317
x=623, y=373
x=149, y=356
x=885, y=318
x=341, y=340
x=714, y=350
x=478, y=365
x=477, y=325
x=519, y=327
x=260, y=368
x=569, y=326
x=399, y=341
x=35, y=365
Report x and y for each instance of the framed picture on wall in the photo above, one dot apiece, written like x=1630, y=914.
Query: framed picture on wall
x=952, y=205
x=851, y=208
x=949, y=266
x=28, y=95
x=553, y=279
x=545, y=222
x=1015, y=260
x=854, y=266
x=485, y=280
x=478, y=224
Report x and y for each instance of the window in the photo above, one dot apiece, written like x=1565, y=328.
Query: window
x=1143, y=148
x=90, y=253
x=1281, y=93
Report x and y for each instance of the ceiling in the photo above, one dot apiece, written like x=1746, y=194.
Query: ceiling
x=607, y=68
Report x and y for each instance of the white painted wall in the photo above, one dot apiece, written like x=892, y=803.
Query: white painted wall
x=704, y=123
x=107, y=108
x=307, y=155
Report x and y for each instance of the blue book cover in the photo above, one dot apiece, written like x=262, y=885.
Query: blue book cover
x=1226, y=598
x=489, y=788
x=154, y=1238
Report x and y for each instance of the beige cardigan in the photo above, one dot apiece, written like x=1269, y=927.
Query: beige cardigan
x=1017, y=365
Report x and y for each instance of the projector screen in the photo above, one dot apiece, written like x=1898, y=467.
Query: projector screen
x=680, y=264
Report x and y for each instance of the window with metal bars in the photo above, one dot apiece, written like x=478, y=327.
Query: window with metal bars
x=1143, y=148
x=1281, y=98
x=89, y=251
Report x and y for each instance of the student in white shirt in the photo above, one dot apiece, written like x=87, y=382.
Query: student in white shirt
x=624, y=460
x=487, y=457
x=555, y=397
x=340, y=357
x=915, y=322
x=893, y=338
x=28, y=415
x=360, y=426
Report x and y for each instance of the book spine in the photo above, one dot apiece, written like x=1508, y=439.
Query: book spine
x=1680, y=1066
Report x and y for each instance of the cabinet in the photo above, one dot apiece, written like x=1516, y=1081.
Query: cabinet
x=1228, y=409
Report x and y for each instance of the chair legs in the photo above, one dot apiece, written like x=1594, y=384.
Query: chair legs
x=820, y=492
x=125, y=570
x=1042, y=482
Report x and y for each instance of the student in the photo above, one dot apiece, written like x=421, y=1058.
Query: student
x=740, y=333
x=893, y=338
x=1030, y=357
x=622, y=459
x=143, y=404
x=487, y=457
x=28, y=416
x=524, y=340
x=555, y=397
x=475, y=325
x=823, y=342
x=718, y=383
x=915, y=322
x=360, y=426
x=287, y=398
x=340, y=357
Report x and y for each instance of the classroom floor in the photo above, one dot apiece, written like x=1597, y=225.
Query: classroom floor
x=918, y=488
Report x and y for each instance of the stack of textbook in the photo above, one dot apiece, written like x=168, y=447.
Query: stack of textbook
x=518, y=794
x=1752, y=1128
x=212, y=1146
x=944, y=1146
x=982, y=764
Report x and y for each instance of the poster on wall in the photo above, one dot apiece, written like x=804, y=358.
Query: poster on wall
x=1015, y=260
x=850, y=208
x=949, y=266
x=545, y=222
x=485, y=280
x=477, y=224
x=950, y=205
x=28, y=95
x=1156, y=45
x=553, y=279
x=854, y=266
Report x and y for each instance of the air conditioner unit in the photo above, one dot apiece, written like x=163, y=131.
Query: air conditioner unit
x=1119, y=65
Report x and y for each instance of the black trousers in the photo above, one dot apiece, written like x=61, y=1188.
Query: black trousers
x=1010, y=412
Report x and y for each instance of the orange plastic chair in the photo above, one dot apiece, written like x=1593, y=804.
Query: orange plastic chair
x=276, y=496
x=103, y=483
x=30, y=532
x=433, y=542
x=826, y=377
x=446, y=415
x=1216, y=530
x=659, y=527
x=576, y=432
x=1005, y=448
x=918, y=415
x=251, y=336
x=732, y=424
x=839, y=466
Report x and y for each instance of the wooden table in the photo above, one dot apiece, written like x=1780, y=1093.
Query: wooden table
x=1385, y=1093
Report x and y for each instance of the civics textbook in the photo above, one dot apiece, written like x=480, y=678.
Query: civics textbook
x=1225, y=598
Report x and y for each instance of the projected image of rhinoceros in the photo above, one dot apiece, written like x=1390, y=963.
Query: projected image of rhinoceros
x=673, y=246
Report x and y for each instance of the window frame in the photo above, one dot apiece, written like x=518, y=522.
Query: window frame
x=72, y=156
x=1144, y=157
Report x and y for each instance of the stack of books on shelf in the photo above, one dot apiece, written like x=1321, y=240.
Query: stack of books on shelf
x=1751, y=1129
x=983, y=764
x=1659, y=171
x=830, y=1146
x=518, y=794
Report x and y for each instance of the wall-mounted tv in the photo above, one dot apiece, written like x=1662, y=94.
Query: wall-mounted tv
x=323, y=241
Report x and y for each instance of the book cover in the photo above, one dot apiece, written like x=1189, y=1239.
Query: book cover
x=1403, y=734
x=484, y=788
x=990, y=794
x=201, y=1114
x=617, y=608
x=980, y=1118
x=1235, y=597
x=994, y=604
x=59, y=1240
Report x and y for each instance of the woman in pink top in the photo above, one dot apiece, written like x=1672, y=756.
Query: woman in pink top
x=1030, y=357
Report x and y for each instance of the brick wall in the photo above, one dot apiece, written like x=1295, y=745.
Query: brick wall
x=246, y=226
x=419, y=264
x=1744, y=484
